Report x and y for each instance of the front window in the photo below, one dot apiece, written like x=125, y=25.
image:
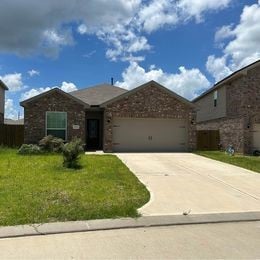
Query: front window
x=56, y=124
x=215, y=98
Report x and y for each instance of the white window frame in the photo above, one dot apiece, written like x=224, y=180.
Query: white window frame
x=66, y=127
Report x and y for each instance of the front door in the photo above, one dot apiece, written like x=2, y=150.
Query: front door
x=93, y=141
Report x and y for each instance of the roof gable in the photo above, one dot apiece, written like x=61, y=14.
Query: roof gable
x=57, y=90
x=230, y=78
x=98, y=94
x=150, y=83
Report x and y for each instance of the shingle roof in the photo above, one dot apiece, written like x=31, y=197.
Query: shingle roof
x=98, y=94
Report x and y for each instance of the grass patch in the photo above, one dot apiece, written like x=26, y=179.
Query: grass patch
x=37, y=189
x=248, y=162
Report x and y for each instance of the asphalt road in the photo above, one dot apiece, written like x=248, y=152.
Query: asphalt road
x=227, y=240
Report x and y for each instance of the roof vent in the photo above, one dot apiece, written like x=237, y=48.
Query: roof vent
x=112, y=81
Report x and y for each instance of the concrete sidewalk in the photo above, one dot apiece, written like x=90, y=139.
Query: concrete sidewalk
x=123, y=223
x=185, y=182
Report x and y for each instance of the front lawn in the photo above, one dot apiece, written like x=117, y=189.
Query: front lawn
x=37, y=189
x=248, y=162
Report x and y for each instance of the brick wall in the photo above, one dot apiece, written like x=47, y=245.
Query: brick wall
x=148, y=102
x=35, y=116
x=231, y=131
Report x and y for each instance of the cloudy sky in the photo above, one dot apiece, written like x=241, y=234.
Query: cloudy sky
x=186, y=45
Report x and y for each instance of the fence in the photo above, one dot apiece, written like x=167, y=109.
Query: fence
x=208, y=140
x=11, y=135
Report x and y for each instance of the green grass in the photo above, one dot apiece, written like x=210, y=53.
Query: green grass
x=37, y=189
x=248, y=162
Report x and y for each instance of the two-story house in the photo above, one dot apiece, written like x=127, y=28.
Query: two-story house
x=3, y=88
x=232, y=106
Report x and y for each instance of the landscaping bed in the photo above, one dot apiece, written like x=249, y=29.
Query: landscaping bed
x=38, y=189
x=248, y=162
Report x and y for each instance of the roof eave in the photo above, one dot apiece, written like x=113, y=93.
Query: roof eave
x=239, y=73
x=2, y=84
x=181, y=99
x=25, y=102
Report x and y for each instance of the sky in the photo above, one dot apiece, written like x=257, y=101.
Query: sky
x=186, y=45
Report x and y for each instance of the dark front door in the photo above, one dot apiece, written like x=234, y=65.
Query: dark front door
x=93, y=140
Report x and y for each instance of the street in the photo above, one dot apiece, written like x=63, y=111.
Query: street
x=226, y=240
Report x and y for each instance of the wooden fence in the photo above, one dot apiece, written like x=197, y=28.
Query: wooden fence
x=11, y=135
x=208, y=140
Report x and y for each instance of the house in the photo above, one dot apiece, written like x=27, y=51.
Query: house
x=147, y=118
x=232, y=106
x=3, y=88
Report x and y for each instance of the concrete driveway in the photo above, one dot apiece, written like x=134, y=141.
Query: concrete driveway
x=184, y=182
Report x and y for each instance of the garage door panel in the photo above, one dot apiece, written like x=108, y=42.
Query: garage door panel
x=140, y=135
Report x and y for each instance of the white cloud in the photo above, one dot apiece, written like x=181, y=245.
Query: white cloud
x=33, y=92
x=127, y=38
x=10, y=110
x=89, y=54
x=223, y=33
x=243, y=48
x=65, y=86
x=33, y=73
x=217, y=67
x=68, y=86
x=13, y=81
x=46, y=26
x=187, y=82
x=196, y=8
x=157, y=14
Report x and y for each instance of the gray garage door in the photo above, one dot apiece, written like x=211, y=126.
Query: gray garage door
x=149, y=135
x=256, y=136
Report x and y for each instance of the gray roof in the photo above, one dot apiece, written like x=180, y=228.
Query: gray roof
x=8, y=121
x=98, y=94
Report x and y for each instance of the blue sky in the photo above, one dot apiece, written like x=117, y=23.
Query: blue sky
x=186, y=45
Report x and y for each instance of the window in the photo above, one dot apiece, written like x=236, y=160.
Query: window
x=56, y=124
x=215, y=98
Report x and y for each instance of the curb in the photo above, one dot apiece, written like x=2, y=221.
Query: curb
x=109, y=224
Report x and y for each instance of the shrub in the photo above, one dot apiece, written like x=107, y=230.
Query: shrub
x=51, y=144
x=29, y=149
x=71, y=152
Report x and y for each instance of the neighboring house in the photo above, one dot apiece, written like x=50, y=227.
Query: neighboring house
x=147, y=118
x=8, y=121
x=3, y=88
x=232, y=106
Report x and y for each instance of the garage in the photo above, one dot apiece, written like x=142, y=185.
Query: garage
x=150, y=135
x=256, y=137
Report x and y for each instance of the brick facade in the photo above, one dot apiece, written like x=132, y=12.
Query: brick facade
x=149, y=102
x=35, y=116
x=243, y=110
x=1, y=118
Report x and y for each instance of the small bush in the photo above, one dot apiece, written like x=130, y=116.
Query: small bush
x=29, y=149
x=51, y=144
x=71, y=152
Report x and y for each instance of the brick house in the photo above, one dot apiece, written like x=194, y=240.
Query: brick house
x=232, y=106
x=3, y=88
x=147, y=118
